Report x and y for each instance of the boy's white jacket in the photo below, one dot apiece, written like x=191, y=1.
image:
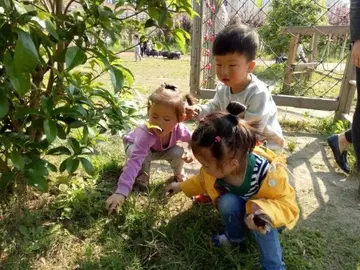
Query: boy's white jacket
x=260, y=107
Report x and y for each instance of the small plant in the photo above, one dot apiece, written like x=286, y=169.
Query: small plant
x=291, y=146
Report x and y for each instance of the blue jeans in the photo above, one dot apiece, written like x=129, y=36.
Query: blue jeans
x=232, y=211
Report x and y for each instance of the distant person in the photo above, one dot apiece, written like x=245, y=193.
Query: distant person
x=301, y=52
x=136, y=43
x=143, y=48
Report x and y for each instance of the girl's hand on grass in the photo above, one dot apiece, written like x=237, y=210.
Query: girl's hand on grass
x=114, y=202
x=172, y=189
x=356, y=53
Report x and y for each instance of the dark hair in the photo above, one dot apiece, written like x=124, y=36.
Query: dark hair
x=168, y=94
x=237, y=38
x=225, y=134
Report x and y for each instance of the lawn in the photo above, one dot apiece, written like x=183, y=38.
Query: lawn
x=68, y=227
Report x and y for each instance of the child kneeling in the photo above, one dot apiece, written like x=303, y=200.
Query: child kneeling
x=155, y=141
x=248, y=184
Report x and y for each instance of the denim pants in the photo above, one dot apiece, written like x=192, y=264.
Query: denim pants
x=232, y=211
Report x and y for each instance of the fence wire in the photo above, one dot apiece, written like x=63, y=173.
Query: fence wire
x=328, y=58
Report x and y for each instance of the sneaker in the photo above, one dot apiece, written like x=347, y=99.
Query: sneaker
x=203, y=199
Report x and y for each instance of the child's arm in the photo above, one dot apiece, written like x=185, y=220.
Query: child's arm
x=277, y=199
x=258, y=110
x=213, y=105
x=191, y=187
x=141, y=148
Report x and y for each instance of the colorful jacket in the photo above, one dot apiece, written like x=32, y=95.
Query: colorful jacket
x=276, y=196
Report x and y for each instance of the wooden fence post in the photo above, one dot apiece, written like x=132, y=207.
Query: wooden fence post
x=210, y=78
x=347, y=91
x=291, y=60
x=196, y=40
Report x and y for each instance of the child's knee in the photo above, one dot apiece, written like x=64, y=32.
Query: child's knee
x=229, y=204
x=176, y=152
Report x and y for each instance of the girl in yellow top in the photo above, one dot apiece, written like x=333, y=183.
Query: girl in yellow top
x=248, y=184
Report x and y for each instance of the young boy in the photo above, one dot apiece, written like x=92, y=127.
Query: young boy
x=235, y=50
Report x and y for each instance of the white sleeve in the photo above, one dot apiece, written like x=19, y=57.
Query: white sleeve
x=258, y=110
x=213, y=105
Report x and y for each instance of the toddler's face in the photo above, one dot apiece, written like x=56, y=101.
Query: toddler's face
x=163, y=116
x=232, y=69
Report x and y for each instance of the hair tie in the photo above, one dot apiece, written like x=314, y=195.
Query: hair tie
x=217, y=139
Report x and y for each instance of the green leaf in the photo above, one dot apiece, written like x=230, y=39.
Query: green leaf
x=47, y=105
x=74, y=145
x=38, y=182
x=150, y=23
x=18, y=160
x=50, y=130
x=180, y=36
x=259, y=3
x=4, y=104
x=19, y=80
x=23, y=230
x=61, y=132
x=72, y=165
x=76, y=124
x=87, y=166
x=50, y=27
x=74, y=57
x=6, y=179
x=117, y=78
x=51, y=167
x=85, y=137
x=38, y=167
x=158, y=46
x=61, y=150
x=154, y=12
x=26, y=56
x=22, y=111
x=63, y=165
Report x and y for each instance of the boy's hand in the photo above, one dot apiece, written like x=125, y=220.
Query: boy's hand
x=187, y=156
x=172, y=189
x=114, y=202
x=191, y=111
x=356, y=53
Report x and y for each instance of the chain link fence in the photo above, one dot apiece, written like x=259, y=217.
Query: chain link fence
x=304, y=49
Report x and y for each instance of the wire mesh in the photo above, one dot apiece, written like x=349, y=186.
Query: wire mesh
x=326, y=52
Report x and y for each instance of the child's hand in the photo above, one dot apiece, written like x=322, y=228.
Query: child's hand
x=256, y=213
x=356, y=53
x=114, y=202
x=172, y=189
x=188, y=157
x=191, y=111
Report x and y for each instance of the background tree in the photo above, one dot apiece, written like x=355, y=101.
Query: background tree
x=46, y=94
x=285, y=14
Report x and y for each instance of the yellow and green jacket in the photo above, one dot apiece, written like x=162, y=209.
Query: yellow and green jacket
x=276, y=197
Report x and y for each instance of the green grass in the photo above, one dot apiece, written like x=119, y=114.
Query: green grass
x=68, y=228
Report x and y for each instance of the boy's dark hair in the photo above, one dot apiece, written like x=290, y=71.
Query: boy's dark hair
x=237, y=38
x=225, y=134
x=168, y=94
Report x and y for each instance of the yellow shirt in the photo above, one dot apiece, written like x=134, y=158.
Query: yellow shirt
x=276, y=196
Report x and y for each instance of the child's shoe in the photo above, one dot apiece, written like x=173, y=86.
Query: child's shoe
x=203, y=199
